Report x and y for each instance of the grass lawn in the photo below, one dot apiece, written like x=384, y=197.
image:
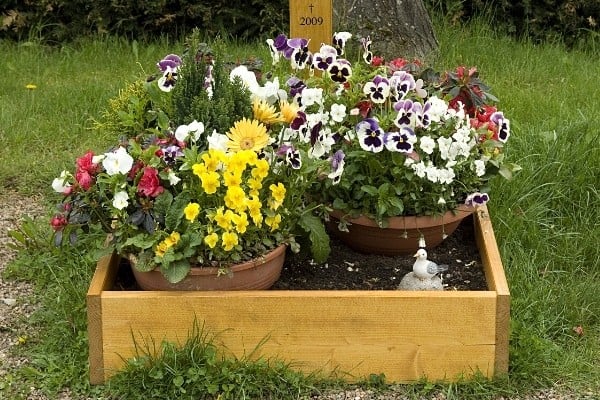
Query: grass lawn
x=546, y=219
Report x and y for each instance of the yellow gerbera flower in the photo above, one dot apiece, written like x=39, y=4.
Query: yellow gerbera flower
x=264, y=112
x=289, y=111
x=247, y=135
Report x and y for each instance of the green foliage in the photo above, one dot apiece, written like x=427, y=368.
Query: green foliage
x=59, y=20
x=200, y=370
x=220, y=108
x=547, y=20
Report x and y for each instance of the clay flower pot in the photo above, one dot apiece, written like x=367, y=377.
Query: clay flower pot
x=401, y=236
x=259, y=273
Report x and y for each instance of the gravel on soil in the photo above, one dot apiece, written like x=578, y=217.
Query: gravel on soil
x=17, y=304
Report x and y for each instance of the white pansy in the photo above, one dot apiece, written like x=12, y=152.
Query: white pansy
x=312, y=96
x=247, y=77
x=60, y=184
x=270, y=93
x=217, y=141
x=121, y=200
x=338, y=112
x=193, y=130
x=419, y=169
x=117, y=162
x=173, y=178
x=427, y=144
x=274, y=52
x=479, y=167
x=446, y=176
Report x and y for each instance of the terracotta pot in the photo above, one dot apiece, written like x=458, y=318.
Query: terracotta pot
x=259, y=273
x=402, y=235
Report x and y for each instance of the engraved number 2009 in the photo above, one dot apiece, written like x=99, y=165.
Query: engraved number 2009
x=311, y=20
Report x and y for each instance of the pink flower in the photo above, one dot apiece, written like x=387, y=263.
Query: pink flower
x=58, y=222
x=84, y=179
x=85, y=163
x=149, y=184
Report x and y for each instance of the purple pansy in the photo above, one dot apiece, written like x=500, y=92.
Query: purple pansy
x=400, y=141
x=171, y=153
x=477, y=199
x=172, y=61
x=370, y=135
x=401, y=82
x=378, y=89
x=337, y=167
x=367, y=53
x=340, y=70
x=324, y=58
x=406, y=113
x=503, y=125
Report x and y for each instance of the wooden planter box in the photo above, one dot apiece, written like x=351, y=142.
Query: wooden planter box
x=405, y=335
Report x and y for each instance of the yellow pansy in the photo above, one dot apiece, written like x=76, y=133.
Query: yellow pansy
x=191, y=211
x=229, y=240
x=278, y=195
x=261, y=170
x=240, y=222
x=232, y=179
x=210, y=182
x=236, y=199
x=223, y=218
x=211, y=240
x=273, y=222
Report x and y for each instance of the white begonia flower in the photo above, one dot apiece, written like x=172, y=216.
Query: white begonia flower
x=441, y=201
x=419, y=169
x=479, y=167
x=121, y=200
x=446, y=176
x=173, y=178
x=338, y=112
x=60, y=184
x=427, y=144
x=432, y=173
x=117, y=162
x=217, y=141
x=193, y=130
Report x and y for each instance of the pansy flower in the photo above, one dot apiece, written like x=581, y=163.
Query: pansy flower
x=503, y=125
x=406, y=114
x=340, y=71
x=400, y=141
x=301, y=56
x=370, y=135
x=367, y=53
x=166, y=83
x=337, y=167
x=378, y=89
x=339, y=41
x=324, y=58
x=477, y=199
x=172, y=61
x=401, y=82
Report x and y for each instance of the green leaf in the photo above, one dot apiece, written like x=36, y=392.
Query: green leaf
x=163, y=203
x=175, y=213
x=176, y=271
x=141, y=241
x=144, y=261
x=372, y=190
x=317, y=234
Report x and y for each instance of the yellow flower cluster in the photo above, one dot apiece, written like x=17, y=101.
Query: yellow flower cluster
x=238, y=177
x=166, y=244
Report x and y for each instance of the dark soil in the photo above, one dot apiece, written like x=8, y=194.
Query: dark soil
x=347, y=269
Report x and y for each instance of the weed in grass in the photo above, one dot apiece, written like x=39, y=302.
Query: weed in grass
x=200, y=370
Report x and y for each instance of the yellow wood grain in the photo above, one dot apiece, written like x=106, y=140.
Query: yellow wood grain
x=494, y=271
x=312, y=19
x=406, y=335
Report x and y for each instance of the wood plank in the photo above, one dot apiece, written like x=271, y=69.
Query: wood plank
x=312, y=19
x=494, y=271
x=439, y=337
x=106, y=271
